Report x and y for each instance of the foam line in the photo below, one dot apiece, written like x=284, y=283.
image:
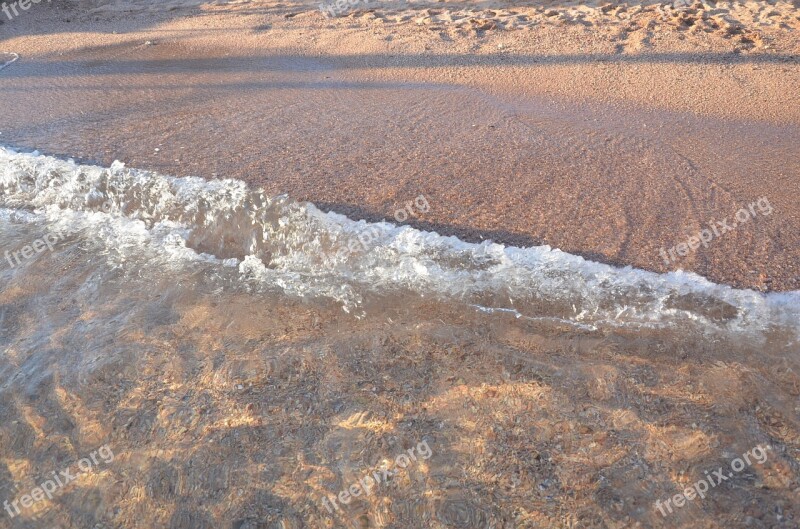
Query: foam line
x=276, y=242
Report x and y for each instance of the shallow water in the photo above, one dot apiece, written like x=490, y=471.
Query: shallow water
x=245, y=356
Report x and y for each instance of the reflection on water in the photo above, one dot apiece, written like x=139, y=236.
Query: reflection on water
x=197, y=329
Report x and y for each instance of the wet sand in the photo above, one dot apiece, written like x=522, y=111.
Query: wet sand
x=548, y=134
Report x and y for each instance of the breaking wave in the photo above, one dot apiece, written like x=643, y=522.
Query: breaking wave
x=278, y=243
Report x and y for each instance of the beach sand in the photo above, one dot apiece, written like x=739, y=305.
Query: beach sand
x=612, y=131
x=561, y=395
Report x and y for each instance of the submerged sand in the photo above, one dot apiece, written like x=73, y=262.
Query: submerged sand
x=228, y=408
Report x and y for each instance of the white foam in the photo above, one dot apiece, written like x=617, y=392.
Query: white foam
x=278, y=243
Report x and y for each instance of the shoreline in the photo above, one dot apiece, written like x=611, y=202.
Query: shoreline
x=635, y=154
